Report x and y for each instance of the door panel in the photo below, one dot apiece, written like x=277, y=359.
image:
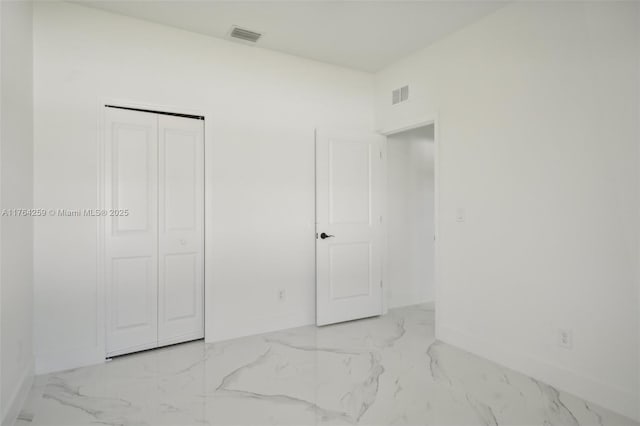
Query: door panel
x=348, y=203
x=349, y=182
x=181, y=286
x=350, y=270
x=131, y=241
x=133, y=290
x=131, y=153
x=181, y=231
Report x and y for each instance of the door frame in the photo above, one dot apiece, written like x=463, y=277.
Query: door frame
x=427, y=120
x=101, y=300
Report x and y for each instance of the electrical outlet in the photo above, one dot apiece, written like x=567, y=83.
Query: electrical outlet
x=282, y=295
x=565, y=338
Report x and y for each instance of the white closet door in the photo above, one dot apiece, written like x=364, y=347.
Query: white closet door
x=181, y=230
x=131, y=243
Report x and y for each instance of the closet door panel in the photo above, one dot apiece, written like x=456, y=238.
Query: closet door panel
x=131, y=184
x=181, y=229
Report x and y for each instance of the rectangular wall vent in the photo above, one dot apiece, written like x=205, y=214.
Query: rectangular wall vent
x=400, y=95
x=244, y=34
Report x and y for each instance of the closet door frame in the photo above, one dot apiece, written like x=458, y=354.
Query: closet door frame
x=98, y=351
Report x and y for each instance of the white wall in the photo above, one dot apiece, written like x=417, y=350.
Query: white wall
x=410, y=217
x=638, y=279
x=538, y=141
x=16, y=268
x=262, y=106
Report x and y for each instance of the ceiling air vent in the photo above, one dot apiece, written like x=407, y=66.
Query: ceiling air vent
x=400, y=95
x=244, y=34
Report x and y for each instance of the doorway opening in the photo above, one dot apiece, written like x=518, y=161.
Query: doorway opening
x=411, y=201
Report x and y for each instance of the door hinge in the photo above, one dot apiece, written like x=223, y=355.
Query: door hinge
x=380, y=219
x=380, y=283
x=381, y=155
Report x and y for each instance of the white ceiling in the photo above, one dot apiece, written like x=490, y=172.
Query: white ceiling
x=364, y=35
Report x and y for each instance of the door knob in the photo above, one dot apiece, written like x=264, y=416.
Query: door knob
x=325, y=236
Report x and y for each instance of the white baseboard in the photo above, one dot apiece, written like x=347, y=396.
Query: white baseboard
x=225, y=330
x=410, y=303
x=615, y=399
x=17, y=400
x=256, y=325
x=49, y=363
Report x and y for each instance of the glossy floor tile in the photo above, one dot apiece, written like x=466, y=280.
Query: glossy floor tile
x=379, y=371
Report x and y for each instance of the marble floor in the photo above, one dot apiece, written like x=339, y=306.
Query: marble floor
x=380, y=371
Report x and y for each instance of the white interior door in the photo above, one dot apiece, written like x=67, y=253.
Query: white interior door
x=181, y=230
x=348, y=225
x=131, y=241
